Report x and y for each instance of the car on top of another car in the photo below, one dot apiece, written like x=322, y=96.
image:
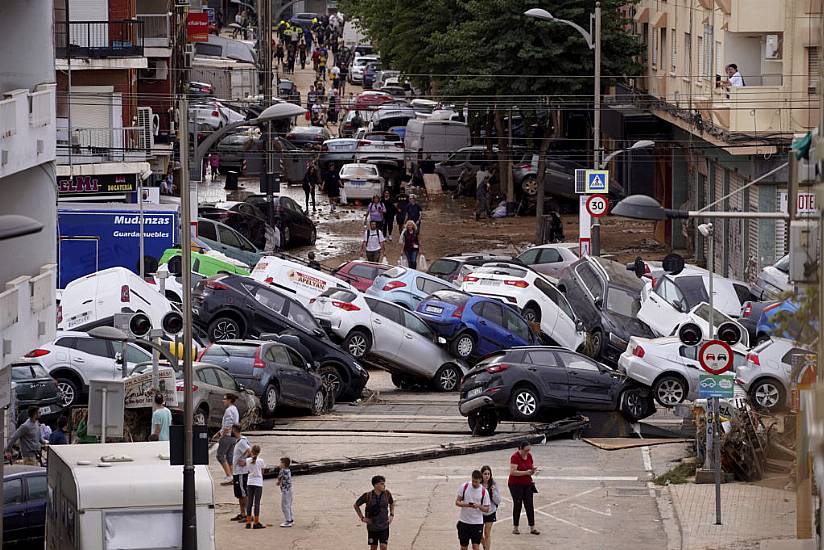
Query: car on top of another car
x=406, y=287
x=360, y=273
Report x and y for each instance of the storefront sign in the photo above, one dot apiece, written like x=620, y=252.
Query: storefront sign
x=139, y=392
x=197, y=28
x=104, y=183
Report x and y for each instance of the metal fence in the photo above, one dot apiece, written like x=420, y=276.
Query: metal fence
x=98, y=39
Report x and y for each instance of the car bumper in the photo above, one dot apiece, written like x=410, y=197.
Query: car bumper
x=637, y=369
x=476, y=403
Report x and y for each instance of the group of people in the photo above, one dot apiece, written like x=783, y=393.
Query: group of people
x=243, y=466
x=32, y=438
x=381, y=215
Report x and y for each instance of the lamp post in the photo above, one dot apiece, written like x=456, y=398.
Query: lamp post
x=641, y=144
x=644, y=207
x=593, y=40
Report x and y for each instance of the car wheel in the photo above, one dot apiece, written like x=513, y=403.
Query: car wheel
x=529, y=185
x=532, y=314
x=523, y=404
x=597, y=340
x=224, y=328
x=669, y=390
x=483, y=422
x=270, y=400
x=287, y=237
x=357, y=343
x=314, y=236
x=333, y=379
x=201, y=416
x=633, y=405
x=767, y=394
x=463, y=345
x=318, y=403
x=68, y=392
x=401, y=381
x=447, y=378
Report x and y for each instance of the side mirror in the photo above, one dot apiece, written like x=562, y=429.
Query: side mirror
x=579, y=326
x=118, y=358
x=441, y=340
x=599, y=302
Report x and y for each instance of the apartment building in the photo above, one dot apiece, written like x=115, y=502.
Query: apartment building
x=717, y=138
x=27, y=175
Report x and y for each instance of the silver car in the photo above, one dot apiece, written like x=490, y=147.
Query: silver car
x=773, y=280
x=767, y=375
x=551, y=259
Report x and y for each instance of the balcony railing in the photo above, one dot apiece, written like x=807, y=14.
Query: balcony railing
x=98, y=39
x=27, y=128
x=156, y=30
x=89, y=145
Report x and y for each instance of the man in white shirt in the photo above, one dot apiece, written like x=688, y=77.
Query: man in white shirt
x=372, y=243
x=240, y=471
x=473, y=500
x=735, y=78
x=226, y=440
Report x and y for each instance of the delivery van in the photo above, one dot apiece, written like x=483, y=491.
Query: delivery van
x=432, y=140
x=296, y=279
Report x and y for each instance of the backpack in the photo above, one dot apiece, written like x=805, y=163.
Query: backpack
x=483, y=492
x=369, y=500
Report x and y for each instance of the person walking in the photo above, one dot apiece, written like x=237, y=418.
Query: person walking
x=414, y=212
x=31, y=441
x=225, y=439
x=285, y=484
x=521, y=487
x=310, y=180
x=214, y=166
x=389, y=216
x=481, y=195
x=376, y=211
x=401, y=203
x=302, y=53
x=60, y=436
x=279, y=53
x=473, y=500
x=254, y=487
x=495, y=499
x=372, y=243
x=410, y=244
x=161, y=418
x=332, y=185
x=240, y=473
x=315, y=59
x=378, y=513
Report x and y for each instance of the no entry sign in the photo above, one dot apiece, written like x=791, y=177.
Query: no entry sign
x=597, y=205
x=715, y=357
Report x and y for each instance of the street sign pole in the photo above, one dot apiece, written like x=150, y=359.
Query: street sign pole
x=716, y=448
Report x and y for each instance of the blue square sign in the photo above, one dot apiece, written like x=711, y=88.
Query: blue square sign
x=715, y=385
x=597, y=181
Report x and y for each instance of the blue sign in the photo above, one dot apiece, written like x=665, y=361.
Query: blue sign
x=597, y=181
x=715, y=385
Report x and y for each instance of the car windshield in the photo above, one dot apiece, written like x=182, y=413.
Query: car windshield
x=231, y=350
x=703, y=312
x=451, y=297
x=783, y=265
x=498, y=269
x=358, y=171
x=443, y=267
x=345, y=145
x=622, y=302
x=394, y=273
x=340, y=294
x=693, y=289
x=39, y=371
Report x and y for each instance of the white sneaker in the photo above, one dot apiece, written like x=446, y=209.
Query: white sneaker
x=286, y=524
x=226, y=480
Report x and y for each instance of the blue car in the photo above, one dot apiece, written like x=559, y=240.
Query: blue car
x=26, y=493
x=474, y=325
x=406, y=287
x=770, y=319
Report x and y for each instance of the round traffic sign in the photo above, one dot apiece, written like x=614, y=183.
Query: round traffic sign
x=597, y=205
x=715, y=357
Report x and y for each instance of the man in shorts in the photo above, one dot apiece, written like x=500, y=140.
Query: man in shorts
x=378, y=513
x=240, y=471
x=473, y=500
x=226, y=441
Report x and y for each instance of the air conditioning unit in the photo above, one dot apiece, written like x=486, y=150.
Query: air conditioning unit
x=157, y=70
x=146, y=123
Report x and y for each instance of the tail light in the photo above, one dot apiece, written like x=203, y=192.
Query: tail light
x=215, y=285
x=346, y=306
x=638, y=351
x=392, y=285
x=203, y=352
x=37, y=353
x=739, y=381
x=179, y=386
x=268, y=280
x=471, y=279
x=520, y=283
x=747, y=311
x=753, y=358
x=458, y=313
x=124, y=293
x=364, y=142
x=500, y=367
x=259, y=364
x=59, y=314
x=324, y=148
x=215, y=113
x=150, y=280
x=523, y=166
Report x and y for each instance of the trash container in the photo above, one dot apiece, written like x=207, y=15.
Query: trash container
x=231, y=181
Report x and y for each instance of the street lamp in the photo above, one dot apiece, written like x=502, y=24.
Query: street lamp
x=641, y=144
x=644, y=207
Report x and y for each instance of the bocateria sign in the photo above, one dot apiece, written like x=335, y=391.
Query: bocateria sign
x=104, y=183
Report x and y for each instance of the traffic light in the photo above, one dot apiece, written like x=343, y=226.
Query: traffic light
x=690, y=334
x=172, y=322
x=729, y=332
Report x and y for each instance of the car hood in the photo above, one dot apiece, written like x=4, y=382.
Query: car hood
x=624, y=326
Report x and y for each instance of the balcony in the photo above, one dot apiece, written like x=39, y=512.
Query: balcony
x=156, y=30
x=96, y=145
x=98, y=39
x=758, y=16
x=27, y=129
x=27, y=313
x=751, y=109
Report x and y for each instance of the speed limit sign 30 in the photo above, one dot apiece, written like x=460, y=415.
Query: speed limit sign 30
x=597, y=205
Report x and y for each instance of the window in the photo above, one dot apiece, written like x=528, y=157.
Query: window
x=663, y=46
x=719, y=66
x=206, y=230
x=674, y=51
x=93, y=346
x=687, y=54
x=578, y=362
x=39, y=371
x=416, y=325
x=555, y=295
x=669, y=292
x=623, y=302
x=296, y=359
x=543, y=358
x=12, y=491
x=136, y=355
x=550, y=256
x=689, y=352
x=65, y=342
x=225, y=380
x=430, y=286
x=341, y=294
x=708, y=42
x=493, y=312
x=654, y=47
x=393, y=313
x=701, y=62
x=812, y=70
x=515, y=324
x=301, y=317
x=277, y=354
x=272, y=300
x=365, y=271
x=530, y=256
x=38, y=487
x=228, y=237
x=590, y=280
x=21, y=372
x=208, y=376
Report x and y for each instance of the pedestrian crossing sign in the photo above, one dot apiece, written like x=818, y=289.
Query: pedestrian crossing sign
x=597, y=181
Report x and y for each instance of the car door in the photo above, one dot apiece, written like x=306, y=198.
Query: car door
x=301, y=225
x=306, y=381
x=418, y=341
x=281, y=364
x=553, y=378
x=549, y=262
x=492, y=335
x=589, y=387
x=564, y=330
x=587, y=292
x=213, y=393
x=266, y=313
x=236, y=245
x=228, y=384
x=660, y=306
x=37, y=498
x=95, y=359
x=387, y=329
x=14, y=511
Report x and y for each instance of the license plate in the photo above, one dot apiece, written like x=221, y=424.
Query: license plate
x=489, y=282
x=434, y=309
x=474, y=393
x=358, y=183
x=45, y=410
x=78, y=320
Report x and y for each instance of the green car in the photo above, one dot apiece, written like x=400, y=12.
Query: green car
x=204, y=264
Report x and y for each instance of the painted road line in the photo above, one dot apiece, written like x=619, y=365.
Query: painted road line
x=608, y=513
x=572, y=497
x=556, y=518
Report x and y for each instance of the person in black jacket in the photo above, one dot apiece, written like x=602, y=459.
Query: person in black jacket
x=310, y=180
x=389, y=215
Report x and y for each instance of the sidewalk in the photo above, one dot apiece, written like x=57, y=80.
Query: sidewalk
x=749, y=514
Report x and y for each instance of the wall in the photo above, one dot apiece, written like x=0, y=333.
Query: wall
x=24, y=64
x=123, y=80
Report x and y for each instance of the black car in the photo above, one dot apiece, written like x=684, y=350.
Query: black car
x=606, y=297
x=231, y=307
x=288, y=90
x=247, y=224
x=295, y=225
x=542, y=382
x=278, y=374
x=25, y=496
x=307, y=137
x=34, y=386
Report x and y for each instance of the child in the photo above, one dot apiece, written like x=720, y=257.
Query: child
x=285, y=484
x=254, y=487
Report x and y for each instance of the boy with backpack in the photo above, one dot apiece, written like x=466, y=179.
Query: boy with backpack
x=473, y=500
x=379, y=512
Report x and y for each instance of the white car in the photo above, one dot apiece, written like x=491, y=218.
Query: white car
x=773, y=280
x=667, y=366
x=73, y=358
x=381, y=148
x=206, y=115
x=296, y=280
x=537, y=298
x=94, y=299
x=767, y=375
x=361, y=181
x=358, y=66
x=551, y=259
x=390, y=336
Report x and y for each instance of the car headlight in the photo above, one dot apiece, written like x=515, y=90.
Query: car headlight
x=616, y=341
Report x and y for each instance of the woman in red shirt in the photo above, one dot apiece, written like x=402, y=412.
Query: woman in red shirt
x=521, y=486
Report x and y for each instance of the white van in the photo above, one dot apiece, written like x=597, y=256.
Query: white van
x=133, y=502
x=295, y=279
x=432, y=140
x=93, y=300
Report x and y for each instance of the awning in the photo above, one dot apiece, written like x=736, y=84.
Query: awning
x=642, y=16
x=660, y=20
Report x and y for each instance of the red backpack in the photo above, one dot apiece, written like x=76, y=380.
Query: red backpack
x=483, y=492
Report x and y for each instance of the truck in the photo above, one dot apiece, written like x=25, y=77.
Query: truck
x=122, y=495
x=428, y=140
x=93, y=237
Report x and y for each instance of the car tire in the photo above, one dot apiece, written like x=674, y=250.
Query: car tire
x=269, y=400
x=597, y=340
x=670, y=390
x=201, y=416
x=313, y=237
x=318, y=403
x=224, y=328
x=401, y=381
x=633, y=405
x=448, y=378
x=483, y=422
x=524, y=403
x=332, y=376
x=529, y=185
x=357, y=343
x=532, y=314
x=767, y=394
x=286, y=237
x=463, y=346
x=69, y=392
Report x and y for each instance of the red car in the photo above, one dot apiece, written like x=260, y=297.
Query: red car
x=360, y=274
x=371, y=98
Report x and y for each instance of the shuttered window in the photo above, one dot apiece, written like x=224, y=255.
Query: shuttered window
x=812, y=69
x=708, y=42
x=674, y=51
x=654, y=46
x=687, y=54
x=701, y=65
